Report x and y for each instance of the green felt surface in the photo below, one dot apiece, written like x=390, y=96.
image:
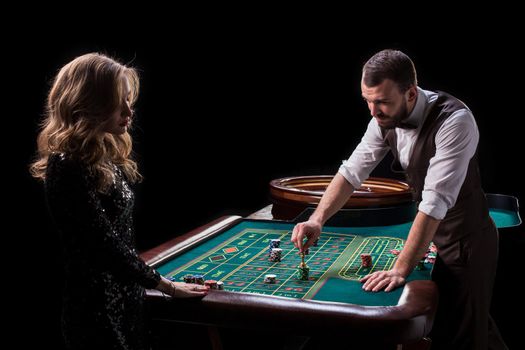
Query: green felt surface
x=504, y=218
x=239, y=258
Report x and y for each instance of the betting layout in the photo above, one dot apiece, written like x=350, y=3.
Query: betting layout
x=264, y=261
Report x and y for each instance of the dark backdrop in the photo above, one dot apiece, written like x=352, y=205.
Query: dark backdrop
x=222, y=113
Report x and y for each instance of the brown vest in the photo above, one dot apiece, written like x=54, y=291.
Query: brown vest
x=470, y=213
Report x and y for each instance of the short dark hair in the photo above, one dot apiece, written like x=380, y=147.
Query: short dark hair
x=390, y=64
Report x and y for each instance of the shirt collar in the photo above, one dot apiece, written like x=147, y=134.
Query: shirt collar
x=417, y=115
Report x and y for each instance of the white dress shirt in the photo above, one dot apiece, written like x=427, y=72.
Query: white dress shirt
x=456, y=143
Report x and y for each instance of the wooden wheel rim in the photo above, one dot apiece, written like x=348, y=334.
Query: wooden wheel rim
x=308, y=190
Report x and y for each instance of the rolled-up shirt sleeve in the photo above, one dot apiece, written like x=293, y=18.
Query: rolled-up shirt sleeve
x=370, y=151
x=456, y=143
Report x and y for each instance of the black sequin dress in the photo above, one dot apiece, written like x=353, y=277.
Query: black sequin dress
x=104, y=277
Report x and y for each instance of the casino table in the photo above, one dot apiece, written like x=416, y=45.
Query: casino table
x=235, y=250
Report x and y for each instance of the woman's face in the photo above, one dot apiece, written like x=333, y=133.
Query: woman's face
x=120, y=119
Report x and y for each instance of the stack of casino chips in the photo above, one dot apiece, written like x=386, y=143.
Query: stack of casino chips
x=189, y=279
x=211, y=283
x=303, y=272
x=275, y=255
x=430, y=256
x=199, y=279
x=366, y=260
x=274, y=243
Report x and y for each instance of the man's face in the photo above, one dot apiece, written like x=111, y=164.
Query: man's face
x=386, y=103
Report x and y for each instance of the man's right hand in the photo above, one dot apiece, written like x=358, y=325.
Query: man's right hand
x=310, y=229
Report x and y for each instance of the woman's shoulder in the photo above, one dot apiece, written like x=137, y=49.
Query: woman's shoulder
x=60, y=164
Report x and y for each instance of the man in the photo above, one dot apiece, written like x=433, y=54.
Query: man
x=433, y=137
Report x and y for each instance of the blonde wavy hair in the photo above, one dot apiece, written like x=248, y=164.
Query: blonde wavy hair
x=84, y=94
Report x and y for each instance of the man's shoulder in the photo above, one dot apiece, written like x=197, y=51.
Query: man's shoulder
x=429, y=95
x=448, y=103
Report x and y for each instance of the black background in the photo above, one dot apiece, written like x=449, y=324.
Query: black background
x=226, y=108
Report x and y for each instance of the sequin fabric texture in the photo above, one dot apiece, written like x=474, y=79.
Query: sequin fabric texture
x=104, y=277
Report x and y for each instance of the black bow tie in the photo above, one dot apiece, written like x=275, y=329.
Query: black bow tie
x=407, y=126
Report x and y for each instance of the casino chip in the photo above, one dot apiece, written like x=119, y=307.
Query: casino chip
x=303, y=272
x=211, y=283
x=421, y=265
x=366, y=260
x=270, y=278
x=199, y=279
x=275, y=255
x=189, y=278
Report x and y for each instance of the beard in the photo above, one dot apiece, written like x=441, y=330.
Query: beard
x=393, y=121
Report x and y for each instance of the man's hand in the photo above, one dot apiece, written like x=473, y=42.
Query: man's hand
x=379, y=280
x=310, y=229
x=419, y=237
x=333, y=199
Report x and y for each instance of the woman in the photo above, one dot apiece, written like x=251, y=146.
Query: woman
x=84, y=160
